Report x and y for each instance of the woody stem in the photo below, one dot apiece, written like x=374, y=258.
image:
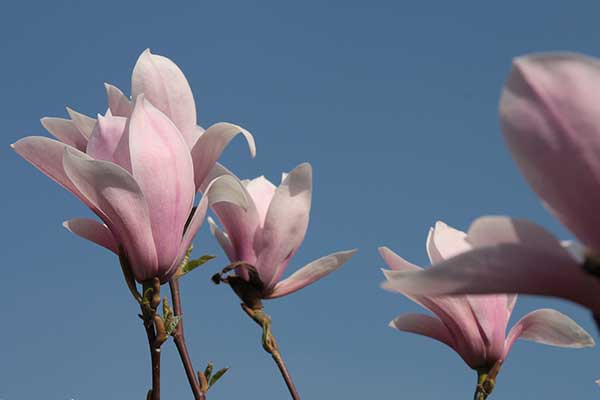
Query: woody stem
x=270, y=346
x=179, y=339
x=154, y=359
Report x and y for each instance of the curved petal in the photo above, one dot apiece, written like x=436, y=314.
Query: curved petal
x=223, y=240
x=505, y=268
x=455, y=312
x=162, y=166
x=549, y=115
x=285, y=224
x=492, y=316
x=93, y=231
x=209, y=146
x=105, y=138
x=111, y=189
x=497, y=229
x=549, y=327
x=423, y=325
x=195, y=135
x=118, y=104
x=65, y=131
x=47, y=155
x=262, y=192
x=310, y=273
x=241, y=226
x=222, y=190
x=511, y=300
x=444, y=242
x=166, y=87
x=82, y=122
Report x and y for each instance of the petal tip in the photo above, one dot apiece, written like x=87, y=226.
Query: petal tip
x=385, y=272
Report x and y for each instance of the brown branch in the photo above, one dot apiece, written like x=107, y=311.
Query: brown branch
x=154, y=359
x=270, y=346
x=179, y=339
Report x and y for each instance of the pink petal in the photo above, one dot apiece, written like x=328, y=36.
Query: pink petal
x=511, y=300
x=423, y=325
x=493, y=230
x=118, y=104
x=114, y=191
x=93, y=231
x=65, y=131
x=222, y=190
x=505, y=267
x=82, y=122
x=310, y=273
x=550, y=327
x=490, y=311
x=262, y=191
x=47, y=155
x=444, y=242
x=105, y=138
x=455, y=312
x=285, y=224
x=223, y=240
x=209, y=146
x=491, y=314
x=162, y=166
x=165, y=86
x=194, y=136
x=241, y=226
x=549, y=113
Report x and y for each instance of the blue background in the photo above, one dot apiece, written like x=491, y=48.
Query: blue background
x=394, y=104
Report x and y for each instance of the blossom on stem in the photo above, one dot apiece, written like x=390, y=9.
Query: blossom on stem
x=475, y=325
x=269, y=232
x=549, y=112
x=137, y=168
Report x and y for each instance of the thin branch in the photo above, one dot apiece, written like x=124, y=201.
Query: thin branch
x=270, y=346
x=154, y=359
x=285, y=373
x=179, y=339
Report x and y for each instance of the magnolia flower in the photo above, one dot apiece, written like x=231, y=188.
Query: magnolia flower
x=475, y=326
x=550, y=117
x=268, y=233
x=138, y=168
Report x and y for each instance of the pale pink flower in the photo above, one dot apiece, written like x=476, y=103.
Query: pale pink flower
x=138, y=168
x=550, y=115
x=475, y=326
x=269, y=232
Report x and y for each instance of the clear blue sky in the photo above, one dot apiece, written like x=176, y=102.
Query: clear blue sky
x=395, y=106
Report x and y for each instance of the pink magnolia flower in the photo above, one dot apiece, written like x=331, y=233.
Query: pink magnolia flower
x=475, y=326
x=138, y=168
x=550, y=117
x=269, y=232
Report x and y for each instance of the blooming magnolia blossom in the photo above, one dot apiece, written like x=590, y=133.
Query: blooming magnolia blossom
x=550, y=117
x=138, y=168
x=268, y=233
x=475, y=326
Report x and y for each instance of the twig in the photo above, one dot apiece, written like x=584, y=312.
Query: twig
x=270, y=346
x=179, y=339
